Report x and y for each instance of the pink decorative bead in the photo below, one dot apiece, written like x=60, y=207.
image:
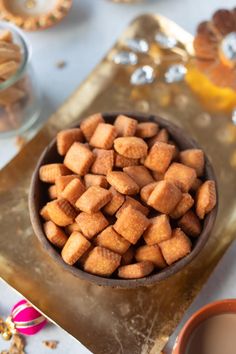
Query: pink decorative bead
x=27, y=319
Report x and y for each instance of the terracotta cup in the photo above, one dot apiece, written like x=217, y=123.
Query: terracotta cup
x=210, y=310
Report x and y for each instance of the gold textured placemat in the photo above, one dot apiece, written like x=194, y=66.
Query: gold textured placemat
x=107, y=320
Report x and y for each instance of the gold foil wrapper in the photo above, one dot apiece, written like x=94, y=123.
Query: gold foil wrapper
x=107, y=320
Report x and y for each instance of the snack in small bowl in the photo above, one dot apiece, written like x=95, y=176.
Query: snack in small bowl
x=123, y=200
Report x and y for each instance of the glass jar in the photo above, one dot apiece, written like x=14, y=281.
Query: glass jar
x=19, y=94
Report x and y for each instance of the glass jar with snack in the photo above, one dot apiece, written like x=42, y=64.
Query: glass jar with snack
x=19, y=94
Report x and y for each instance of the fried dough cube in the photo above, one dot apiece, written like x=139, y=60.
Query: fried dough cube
x=197, y=183
x=62, y=181
x=125, y=126
x=205, y=198
x=73, y=191
x=131, y=147
x=193, y=158
x=152, y=254
x=89, y=125
x=122, y=182
x=162, y=136
x=93, y=199
x=158, y=231
x=147, y=190
x=186, y=203
x=158, y=176
x=121, y=161
x=79, y=158
x=182, y=176
x=95, y=180
x=128, y=256
x=131, y=224
x=135, y=204
x=104, y=136
x=177, y=247
x=136, y=270
x=147, y=130
x=74, y=248
x=159, y=157
x=91, y=224
x=44, y=213
x=139, y=174
x=49, y=173
x=111, y=240
x=102, y=261
x=61, y=212
x=190, y=224
x=65, y=138
x=72, y=227
x=115, y=203
x=165, y=197
x=52, y=192
x=104, y=161
x=55, y=234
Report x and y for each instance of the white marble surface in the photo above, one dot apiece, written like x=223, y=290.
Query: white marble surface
x=81, y=40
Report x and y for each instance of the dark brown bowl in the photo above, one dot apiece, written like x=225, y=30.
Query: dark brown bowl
x=38, y=198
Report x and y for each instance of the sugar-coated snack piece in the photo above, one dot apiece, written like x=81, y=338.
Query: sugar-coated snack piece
x=135, y=204
x=52, y=192
x=139, y=174
x=205, y=198
x=65, y=138
x=165, y=197
x=74, y=248
x=84, y=257
x=104, y=136
x=159, y=157
x=95, y=180
x=196, y=184
x=147, y=190
x=162, y=136
x=104, y=161
x=176, y=150
x=131, y=147
x=73, y=190
x=193, y=158
x=158, y=231
x=111, y=240
x=152, y=254
x=44, y=213
x=121, y=161
x=79, y=158
x=128, y=256
x=131, y=224
x=158, y=176
x=186, y=203
x=89, y=125
x=72, y=227
x=93, y=199
x=147, y=130
x=136, y=270
x=115, y=203
x=182, y=176
x=91, y=224
x=122, y=182
x=125, y=126
x=190, y=224
x=62, y=181
x=61, y=212
x=55, y=234
x=177, y=247
x=49, y=173
x=102, y=261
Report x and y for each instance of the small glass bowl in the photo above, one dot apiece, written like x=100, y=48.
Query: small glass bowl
x=20, y=104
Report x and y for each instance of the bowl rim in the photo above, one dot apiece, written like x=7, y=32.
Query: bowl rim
x=152, y=279
x=211, y=309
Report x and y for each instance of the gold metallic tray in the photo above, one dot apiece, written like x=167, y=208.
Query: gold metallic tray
x=117, y=321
